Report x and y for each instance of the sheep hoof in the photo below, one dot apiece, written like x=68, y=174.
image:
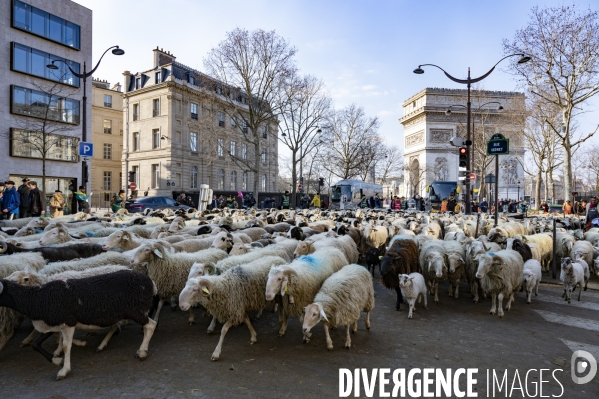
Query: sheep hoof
x=99, y=349
x=409, y=316
x=60, y=376
x=214, y=358
x=347, y=346
x=141, y=355
x=330, y=348
x=305, y=340
x=191, y=322
x=528, y=302
x=57, y=361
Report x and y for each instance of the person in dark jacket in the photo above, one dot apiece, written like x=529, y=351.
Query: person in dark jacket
x=37, y=202
x=82, y=199
x=214, y=203
x=451, y=204
x=484, y=205
x=10, y=201
x=24, y=194
x=285, y=200
x=251, y=201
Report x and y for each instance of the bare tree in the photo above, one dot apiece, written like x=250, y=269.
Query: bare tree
x=352, y=136
x=564, y=45
x=390, y=164
x=305, y=106
x=48, y=132
x=415, y=175
x=252, y=68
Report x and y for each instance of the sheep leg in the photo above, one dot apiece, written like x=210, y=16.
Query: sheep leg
x=347, y=337
x=508, y=306
x=192, y=318
x=253, y=338
x=149, y=328
x=283, y=319
x=67, y=341
x=450, y=287
x=113, y=329
x=399, y=298
x=474, y=291
x=329, y=340
x=59, y=347
x=37, y=345
x=579, y=293
x=457, y=289
x=493, y=303
x=158, y=309
x=528, y=295
x=211, y=326
x=436, y=287
x=29, y=338
x=355, y=329
x=223, y=332
x=411, y=303
x=500, y=304
x=537, y=289
x=367, y=321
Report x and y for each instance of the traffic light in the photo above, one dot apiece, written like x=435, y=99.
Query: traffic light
x=463, y=157
x=85, y=173
x=132, y=176
x=321, y=181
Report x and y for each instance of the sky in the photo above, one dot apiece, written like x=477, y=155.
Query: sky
x=364, y=51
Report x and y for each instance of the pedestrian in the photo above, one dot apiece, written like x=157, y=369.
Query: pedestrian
x=458, y=207
x=181, y=199
x=229, y=202
x=567, y=207
x=544, y=207
x=23, y=191
x=83, y=199
x=37, y=201
x=417, y=201
x=214, y=203
x=189, y=202
x=118, y=201
x=2, y=189
x=451, y=204
x=316, y=201
x=221, y=201
x=285, y=200
x=377, y=201
x=444, y=205
x=10, y=201
x=57, y=204
x=484, y=205
x=591, y=213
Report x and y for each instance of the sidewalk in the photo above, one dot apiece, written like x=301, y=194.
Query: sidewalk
x=547, y=279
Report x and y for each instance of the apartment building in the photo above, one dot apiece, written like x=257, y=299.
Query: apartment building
x=181, y=132
x=107, y=136
x=41, y=108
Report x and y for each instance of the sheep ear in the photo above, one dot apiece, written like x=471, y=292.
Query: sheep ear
x=284, y=288
x=322, y=313
x=157, y=253
x=209, y=268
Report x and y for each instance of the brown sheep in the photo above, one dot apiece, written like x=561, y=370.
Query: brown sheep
x=401, y=258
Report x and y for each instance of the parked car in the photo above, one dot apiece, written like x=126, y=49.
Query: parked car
x=141, y=204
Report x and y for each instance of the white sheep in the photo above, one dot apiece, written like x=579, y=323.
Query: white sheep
x=582, y=250
x=456, y=259
x=433, y=264
x=531, y=278
x=413, y=287
x=375, y=237
x=299, y=281
x=229, y=296
x=475, y=248
x=194, y=245
x=104, y=259
x=500, y=274
x=344, y=243
x=574, y=274
x=506, y=230
x=340, y=300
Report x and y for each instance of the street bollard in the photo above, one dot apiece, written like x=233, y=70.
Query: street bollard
x=477, y=223
x=554, y=261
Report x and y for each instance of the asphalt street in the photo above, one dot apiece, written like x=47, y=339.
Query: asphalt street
x=452, y=334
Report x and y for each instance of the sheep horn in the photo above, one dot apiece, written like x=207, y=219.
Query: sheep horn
x=209, y=268
x=485, y=247
x=4, y=247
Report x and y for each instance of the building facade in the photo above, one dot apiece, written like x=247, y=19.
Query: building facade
x=107, y=135
x=41, y=108
x=181, y=132
x=428, y=128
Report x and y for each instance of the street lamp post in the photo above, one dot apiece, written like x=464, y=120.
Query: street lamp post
x=518, y=198
x=116, y=51
x=468, y=81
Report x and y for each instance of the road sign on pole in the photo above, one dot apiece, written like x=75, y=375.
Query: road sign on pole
x=86, y=149
x=498, y=145
x=299, y=187
x=472, y=176
x=133, y=186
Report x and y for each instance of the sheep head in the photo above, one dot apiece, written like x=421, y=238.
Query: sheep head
x=26, y=277
x=55, y=236
x=313, y=313
x=435, y=262
x=239, y=249
x=189, y=294
x=485, y=263
x=303, y=248
x=567, y=265
x=406, y=281
x=455, y=261
x=25, y=231
x=147, y=252
x=116, y=239
x=278, y=280
x=223, y=241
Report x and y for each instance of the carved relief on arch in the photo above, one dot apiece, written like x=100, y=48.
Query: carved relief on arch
x=441, y=135
x=415, y=139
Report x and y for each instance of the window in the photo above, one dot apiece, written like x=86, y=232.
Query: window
x=135, y=141
x=107, y=101
x=136, y=170
x=264, y=132
x=194, y=111
x=107, y=126
x=221, y=119
x=194, y=177
x=27, y=144
x=33, y=62
x=107, y=184
x=244, y=151
x=40, y=105
x=221, y=179
x=233, y=148
x=107, y=151
x=263, y=156
x=157, y=77
x=156, y=107
x=244, y=127
x=220, y=147
x=41, y=23
x=155, y=176
x=137, y=83
x=219, y=89
x=233, y=183
x=233, y=121
x=120, y=180
x=263, y=183
x=135, y=112
x=177, y=179
x=193, y=141
x=155, y=138
x=244, y=183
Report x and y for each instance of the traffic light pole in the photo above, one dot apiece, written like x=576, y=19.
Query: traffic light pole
x=468, y=207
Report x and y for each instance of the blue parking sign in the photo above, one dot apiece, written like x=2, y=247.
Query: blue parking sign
x=86, y=149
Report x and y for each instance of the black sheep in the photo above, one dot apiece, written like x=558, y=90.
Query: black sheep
x=296, y=233
x=401, y=258
x=56, y=254
x=373, y=258
x=522, y=248
x=100, y=301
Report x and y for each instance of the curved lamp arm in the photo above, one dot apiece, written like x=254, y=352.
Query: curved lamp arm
x=90, y=73
x=474, y=80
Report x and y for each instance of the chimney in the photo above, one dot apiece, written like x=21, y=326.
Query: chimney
x=162, y=57
x=117, y=87
x=127, y=76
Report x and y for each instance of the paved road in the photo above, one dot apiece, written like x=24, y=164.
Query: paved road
x=452, y=334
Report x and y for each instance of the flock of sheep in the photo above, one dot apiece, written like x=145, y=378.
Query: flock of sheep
x=100, y=271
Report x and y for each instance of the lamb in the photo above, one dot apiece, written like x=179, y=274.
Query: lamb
x=506, y=230
x=229, y=296
x=433, y=264
x=170, y=270
x=373, y=258
x=574, y=274
x=477, y=247
x=531, y=278
x=401, y=258
x=413, y=287
x=456, y=257
x=500, y=274
x=99, y=301
x=69, y=252
x=340, y=300
x=299, y=282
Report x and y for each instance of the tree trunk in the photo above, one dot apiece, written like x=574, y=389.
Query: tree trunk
x=538, y=182
x=546, y=187
x=552, y=184
x=256, y=166
x=294, y=179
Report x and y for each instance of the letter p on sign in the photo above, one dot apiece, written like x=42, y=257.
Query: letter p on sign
x=86, y=149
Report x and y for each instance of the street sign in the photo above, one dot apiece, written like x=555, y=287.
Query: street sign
x=498, y=145
x=472, y=176
x=574, y=193
x=133, y=186
x=299, y=187
x=86, y=149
